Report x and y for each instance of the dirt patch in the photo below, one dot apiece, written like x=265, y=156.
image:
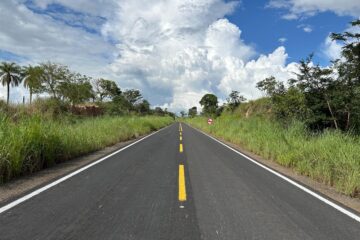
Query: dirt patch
x=323, y=189
x=23, y=185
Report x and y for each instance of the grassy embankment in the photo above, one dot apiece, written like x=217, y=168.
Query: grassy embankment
x=33, y=143
x=329, y=157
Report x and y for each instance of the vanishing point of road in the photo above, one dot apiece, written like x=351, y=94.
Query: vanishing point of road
x=177, y=183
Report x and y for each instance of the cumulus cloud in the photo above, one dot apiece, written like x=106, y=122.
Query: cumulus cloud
x=332, y=49
x=174, y=51
x=188, y=51
x=305, y=8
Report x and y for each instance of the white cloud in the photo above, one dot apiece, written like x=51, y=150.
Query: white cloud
x=175, y=51
x=308, y=29
x=282, y=40
x=332, y=49
x=305, y=8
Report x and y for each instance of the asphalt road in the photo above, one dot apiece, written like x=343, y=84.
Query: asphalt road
x=140, y=193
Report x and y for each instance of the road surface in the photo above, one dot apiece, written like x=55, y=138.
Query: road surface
x=176, y=184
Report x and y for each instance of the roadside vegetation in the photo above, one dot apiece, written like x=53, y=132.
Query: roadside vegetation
x=310, y=123
x=33, y=143
x=66, y=115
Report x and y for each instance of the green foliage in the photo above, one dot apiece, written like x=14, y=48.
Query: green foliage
x=143, y=108
x=234, y=100
x=209, y=102
x=75, y=89
x=10, y=75
x=106, y=89
x=53, y=75
x=132, y=96
x=33, y=143
x=32, y=79
x=192, y=112
x=330, y=157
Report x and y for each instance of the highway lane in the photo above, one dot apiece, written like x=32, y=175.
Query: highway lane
x=138, y=194
x=132, y=195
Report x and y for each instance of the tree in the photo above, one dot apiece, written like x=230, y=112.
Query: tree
x=316, y=84
x=234, y=100
x=348, y=69
x=9, y=75
x=32, y=79
x=75, y=89
x=53, y=75
x=159, y=111
x=106, y=89
x=192, y=112
x=287, y=104
x=132, y=96
x=209, y=102
x=182, y=113
x=143, y=107
x=269, y=86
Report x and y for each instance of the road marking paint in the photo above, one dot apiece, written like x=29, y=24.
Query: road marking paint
x=303, y=188
x=180, y=138
x=52, y=184
x=180, y=128
x=181, y=149
x=182, y=187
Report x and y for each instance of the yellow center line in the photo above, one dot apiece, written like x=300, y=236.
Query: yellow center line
x=182, y=187
x=181, y=148
x=180, y=128
x=180, y=138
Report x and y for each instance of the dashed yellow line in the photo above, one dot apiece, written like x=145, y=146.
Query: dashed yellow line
x=180, y=138
x=180, y=128
x=181, y=149
x=182, y=187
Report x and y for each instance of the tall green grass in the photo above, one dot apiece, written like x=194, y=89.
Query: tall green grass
x=33, y=143
x=331, y=157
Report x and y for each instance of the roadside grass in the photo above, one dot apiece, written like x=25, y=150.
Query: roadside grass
x=331, y=157
x=33, y=143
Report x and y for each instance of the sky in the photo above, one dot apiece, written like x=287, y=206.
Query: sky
x=174, y=51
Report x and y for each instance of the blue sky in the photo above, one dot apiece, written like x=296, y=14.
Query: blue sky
x=174, y=51
x=264, y=26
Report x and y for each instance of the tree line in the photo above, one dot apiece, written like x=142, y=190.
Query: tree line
x=321, y=97
x=59, y=83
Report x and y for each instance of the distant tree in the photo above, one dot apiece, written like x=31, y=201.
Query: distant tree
x=234, y=100
x=53, y=75
x=182, y=113
x=32, y=79
x=76, y=89
x=106, y=89
x=158, y=111
x=9, y=75
x=133, y=96
x=347, y=89
x=316, y=83
x=287, y=104
x=143, y=107
x=270, y=86
x=209, y=102
x=192, y=112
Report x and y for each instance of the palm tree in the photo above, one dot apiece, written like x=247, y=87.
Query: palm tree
x=9, y=75
x=31, y=77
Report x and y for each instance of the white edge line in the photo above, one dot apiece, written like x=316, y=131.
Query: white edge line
x=312, y=193
x=52, y=184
